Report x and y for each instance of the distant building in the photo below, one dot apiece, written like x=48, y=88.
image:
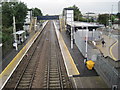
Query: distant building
x=9, y=1
x=119, y=6
x=90, y=15
x=28, y=20
x=28, y=17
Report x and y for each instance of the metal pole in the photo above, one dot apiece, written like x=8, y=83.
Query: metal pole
x=71, y=38
x=71, y=34
x=111, y=16
x=93, y=34
x=86, y=42
x=14, y=29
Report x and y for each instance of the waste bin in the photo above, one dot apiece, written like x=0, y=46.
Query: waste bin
x=90, y=64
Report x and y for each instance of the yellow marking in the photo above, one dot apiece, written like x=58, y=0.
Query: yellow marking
x=18, y=56
x=67, y=53
x=71, y=59
x=111, y=50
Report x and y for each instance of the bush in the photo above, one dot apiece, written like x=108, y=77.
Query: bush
x=7, y=40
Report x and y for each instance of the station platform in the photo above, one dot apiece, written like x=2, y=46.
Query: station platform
x=111, y=47
x=73, y=59
x=86, y=78
x=68, y=60
x=9, y=69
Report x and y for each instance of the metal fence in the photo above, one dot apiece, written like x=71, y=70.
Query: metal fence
x=109, y=70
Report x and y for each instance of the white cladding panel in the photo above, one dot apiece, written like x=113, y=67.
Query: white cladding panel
x=69, y=15
x=70, y=11
x=80, y=42
x=119, y=6
x=69, y=19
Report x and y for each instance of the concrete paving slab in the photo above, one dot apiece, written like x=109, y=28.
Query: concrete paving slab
x=89, y=82
x=107, y=50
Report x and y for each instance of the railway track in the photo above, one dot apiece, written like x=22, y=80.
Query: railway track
x=44, y=58
x=24, y=74
x=28, y=74
x=54, y=77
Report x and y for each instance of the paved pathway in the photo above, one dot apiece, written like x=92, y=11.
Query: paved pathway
x=110, y=47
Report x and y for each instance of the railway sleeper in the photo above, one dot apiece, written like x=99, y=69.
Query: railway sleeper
x=53, y=71
x=28, y=72
x=21, y=86
x=53, y=68
x=54, y=75
x=53, y=65
x=57, y=85
x=25, y=81
x=54, y=82
x=54, y=79
x=26, y=78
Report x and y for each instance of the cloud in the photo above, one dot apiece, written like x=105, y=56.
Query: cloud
x=56, y=6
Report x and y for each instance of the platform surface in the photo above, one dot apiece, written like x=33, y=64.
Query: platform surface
x=111, y=47
x=68, y=60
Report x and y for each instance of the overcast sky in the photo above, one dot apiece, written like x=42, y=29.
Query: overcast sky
x=52, y=7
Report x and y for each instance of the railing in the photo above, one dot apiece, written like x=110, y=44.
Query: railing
x=109, y=70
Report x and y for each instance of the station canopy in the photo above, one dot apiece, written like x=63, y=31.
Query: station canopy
x=84, y=24
x=19, y=32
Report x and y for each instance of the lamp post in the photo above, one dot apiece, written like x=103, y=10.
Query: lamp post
x=71, y=33
x=110, y=21
x=86, y=45
x=14, y=30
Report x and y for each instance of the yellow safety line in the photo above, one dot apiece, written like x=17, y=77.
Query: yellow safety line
x=111, y=50
x=71, y=59
x=73, y=64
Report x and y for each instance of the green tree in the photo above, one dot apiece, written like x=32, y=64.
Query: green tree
x=7, y=14
x=19, y=10
x=36, y=12
x=103, y=19
x=77, y=13
x=118, y=15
